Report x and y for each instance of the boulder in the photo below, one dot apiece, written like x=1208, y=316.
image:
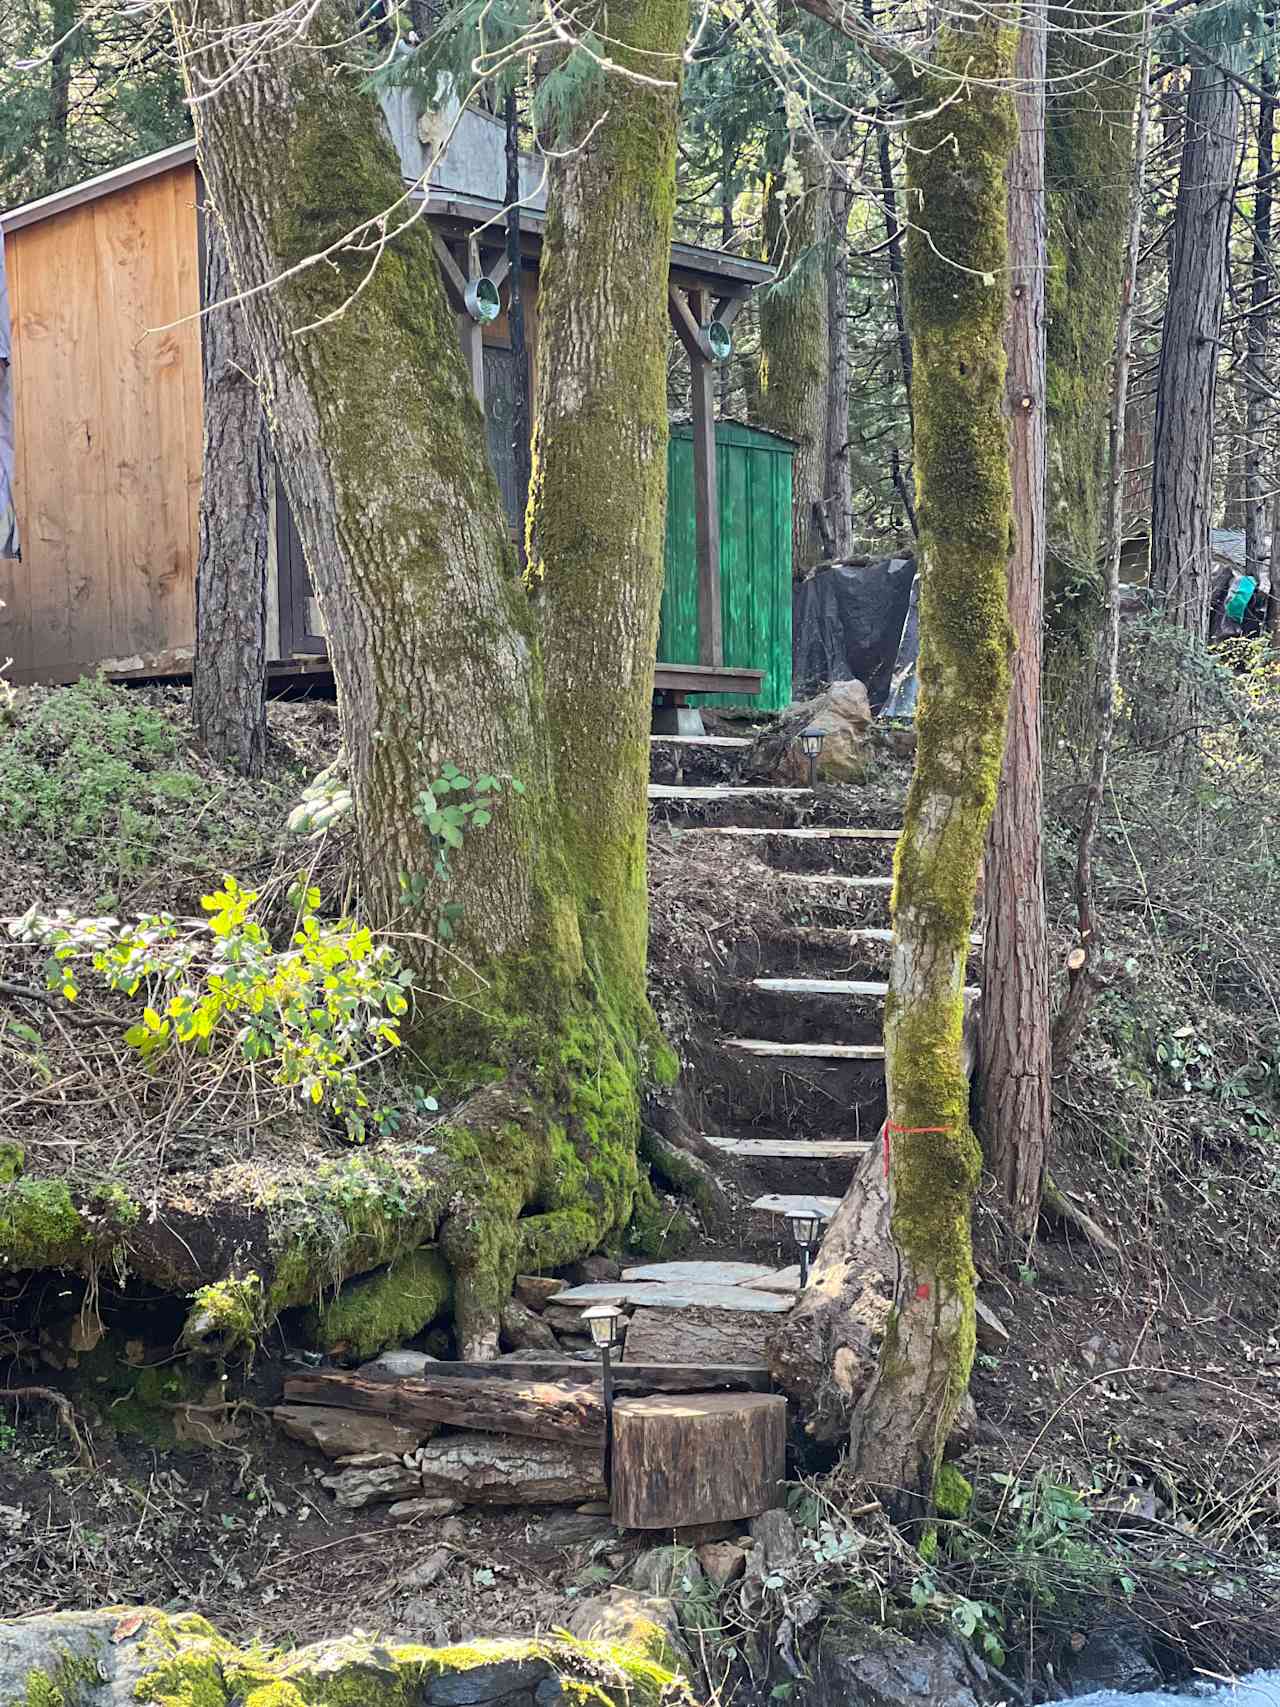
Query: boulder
x=723, y=1561
x=843, y=713
x=395, y=1366
x=992, y=1334
x=623, y=1619
x=593, y=1269
x=524, y=1330
x=1116, y=1655
x=537, y=1290
x=410, y=1511
x=872, y=1668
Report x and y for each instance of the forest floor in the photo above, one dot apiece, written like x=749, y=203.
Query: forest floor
x=1145, y=1380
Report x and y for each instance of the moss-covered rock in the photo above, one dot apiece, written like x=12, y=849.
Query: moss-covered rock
x=44, y=1225
x=383, y=1309
x=125, y=1655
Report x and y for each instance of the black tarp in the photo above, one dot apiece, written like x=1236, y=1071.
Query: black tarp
x=847, y=621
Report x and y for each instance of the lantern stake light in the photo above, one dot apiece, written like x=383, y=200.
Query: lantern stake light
x=603, y=1321
x=805, y=1225
x=811, y=740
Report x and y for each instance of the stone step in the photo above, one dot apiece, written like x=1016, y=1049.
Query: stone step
x=783, y=1203
x=791, y=1149
x=809, y=1051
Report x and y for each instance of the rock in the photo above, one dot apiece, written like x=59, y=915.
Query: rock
x=357, y=1486
x=423, y=1618
x=409, y=1511
x=373, y=1460
x=666, y=1572
x=594, y=1508
x=428, y=1570
x=535, y=1290
x=875, y=1669
x=523, y=1330
x=843, y=713
x=484, y=1683
x=1118, y=1656
x=723, y=1561
x=623, y=1619
x=561, y=1530
x=773, y=1547
x=564, y=1319
x=591, y=1269
x=341, y=1434
x=395, y=1366
x=993, y=1336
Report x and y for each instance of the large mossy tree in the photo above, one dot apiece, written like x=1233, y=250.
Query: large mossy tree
x=536, y=1024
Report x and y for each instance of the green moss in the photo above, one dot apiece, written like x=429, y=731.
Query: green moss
x=189, y=1665
x=656, y=1231
x=43, y=1226
x=952, y=1492
x=384, y=1309
x=228, y=1315
x=12, y=1158
x=138, y=1400
x=74, y=1681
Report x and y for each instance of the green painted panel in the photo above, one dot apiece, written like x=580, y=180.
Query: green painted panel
x=753, y=470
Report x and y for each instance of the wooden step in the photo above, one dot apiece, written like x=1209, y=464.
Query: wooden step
x=813, y=833
x=835, y=880
x=882, y=933
x=725, y=741
x=837, y=987
x=807, y=1051
x=791, y=1149
x=779, y=1203
x=721, y=791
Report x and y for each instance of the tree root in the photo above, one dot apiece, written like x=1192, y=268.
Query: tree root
x=66, y=1415
x=1057, y=1206
x=678, y=1158
x=828, y=1347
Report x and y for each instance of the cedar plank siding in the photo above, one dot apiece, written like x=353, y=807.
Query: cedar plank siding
x=108, y=428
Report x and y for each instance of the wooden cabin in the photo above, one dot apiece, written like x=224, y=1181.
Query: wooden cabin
x=105, y=281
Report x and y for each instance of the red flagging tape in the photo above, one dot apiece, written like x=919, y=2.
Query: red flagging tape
x=892, y=1126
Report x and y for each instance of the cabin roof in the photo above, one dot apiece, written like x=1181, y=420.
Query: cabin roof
x=726, y=274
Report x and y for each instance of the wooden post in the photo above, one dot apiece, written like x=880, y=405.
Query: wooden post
x=687, y=318
x=701, y=1458
x=470, y=332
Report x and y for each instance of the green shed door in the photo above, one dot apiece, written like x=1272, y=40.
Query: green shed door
x=753, y=471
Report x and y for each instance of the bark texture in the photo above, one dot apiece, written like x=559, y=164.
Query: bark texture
x=1014, y=1050
x=1257, y=330
x=957, y=178
x=228, y=699
x=838, y=489
x=597, y=510
x=1186, y=389
x=1088, y=146
x=1070, y=1021
x=794, y=333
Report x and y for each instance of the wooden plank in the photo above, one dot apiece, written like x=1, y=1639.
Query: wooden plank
x=807, y=1051
x=702, y=678
x=787, y=1149
x=188, y=263
x=533, y=1409
x=837, y=987
x=702, y=1335
x=781, y=1203
x=721, y=791
x=698, y=1273
x=638, y=1377
x=814, y=833
x=726, y=741
x=656, y=1296
x=700, y=1459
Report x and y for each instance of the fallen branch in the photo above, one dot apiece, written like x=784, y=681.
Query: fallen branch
x=1055, y=1204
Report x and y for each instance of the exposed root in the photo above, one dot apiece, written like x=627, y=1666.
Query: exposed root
x=1057, y=1206
x=66, y=1415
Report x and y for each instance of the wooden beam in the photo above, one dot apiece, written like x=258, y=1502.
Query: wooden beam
x=539, y=1409
x=728, y=308
x=633, y=1378
x=454, y=283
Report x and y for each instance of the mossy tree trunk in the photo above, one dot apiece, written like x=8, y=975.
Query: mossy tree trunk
x=1090, y=91
x=540, y=1035
x=229, y=685
x=597, y=510
x=794, y=331
x=956, y=257
x=1013, y=1054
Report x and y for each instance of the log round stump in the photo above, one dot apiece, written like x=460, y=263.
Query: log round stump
x=682, y=1459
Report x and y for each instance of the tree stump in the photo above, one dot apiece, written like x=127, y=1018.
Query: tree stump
x=696, y=1458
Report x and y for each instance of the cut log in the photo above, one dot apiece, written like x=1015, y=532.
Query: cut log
x=702, y=1458
x=342, y=1433
x=357, y=1486
x=702, y=1336
x=538, y=1410
x=494, y=1469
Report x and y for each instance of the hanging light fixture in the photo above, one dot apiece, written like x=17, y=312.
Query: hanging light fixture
x=717, y=341
x=482, y=300
x=805, y=1225
x=811, y=740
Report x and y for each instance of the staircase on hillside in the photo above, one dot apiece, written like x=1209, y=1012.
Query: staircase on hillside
x=795, y=1093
